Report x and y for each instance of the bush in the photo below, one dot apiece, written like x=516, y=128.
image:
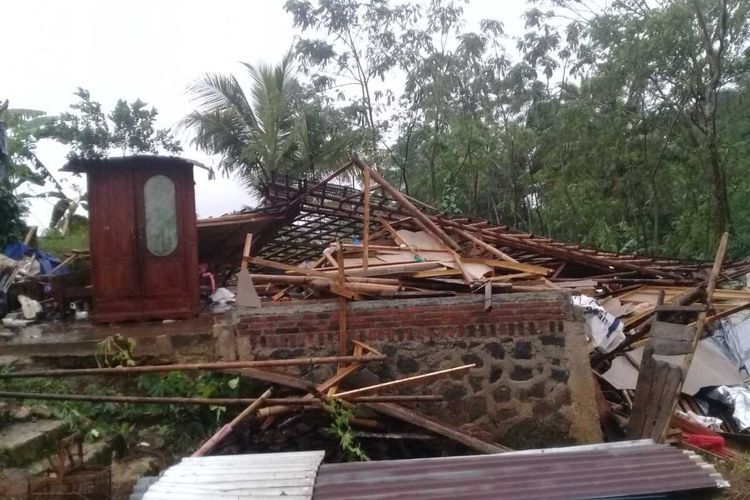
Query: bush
x=12, y=227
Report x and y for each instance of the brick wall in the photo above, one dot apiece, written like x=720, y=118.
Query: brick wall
x=303, y=325
x=531, y=387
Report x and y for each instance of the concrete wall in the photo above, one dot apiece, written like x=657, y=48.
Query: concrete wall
x=532, y=385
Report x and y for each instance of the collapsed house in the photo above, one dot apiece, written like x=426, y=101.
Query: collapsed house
x=486, y=336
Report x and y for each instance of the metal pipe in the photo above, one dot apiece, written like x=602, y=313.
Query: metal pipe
x=221, y=365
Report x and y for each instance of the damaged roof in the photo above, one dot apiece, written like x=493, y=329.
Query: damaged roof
x=310, y=216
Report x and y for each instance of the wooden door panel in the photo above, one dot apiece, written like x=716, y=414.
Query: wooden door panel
x=113, y=243
x=166, y=289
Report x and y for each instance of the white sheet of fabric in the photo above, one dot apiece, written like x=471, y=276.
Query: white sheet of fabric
x=604, y=330
x=222, y=296
x=29, y=307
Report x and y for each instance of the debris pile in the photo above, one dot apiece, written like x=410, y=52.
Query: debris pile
x=335, y=241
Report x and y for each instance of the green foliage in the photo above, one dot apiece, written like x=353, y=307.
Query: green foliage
x=90, y=133
x=342, y=430
x=279, y=128
x=115, y=350
x=11, y=213
x=621, y=126
x=182, y=427
x=76, y=239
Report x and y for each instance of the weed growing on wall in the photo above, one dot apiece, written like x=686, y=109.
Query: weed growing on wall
x=341, y=428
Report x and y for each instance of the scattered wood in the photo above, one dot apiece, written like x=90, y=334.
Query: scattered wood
x=404, y=382
x=220, y=365
x=290, y=401
x=227, y=429
x=414, y=418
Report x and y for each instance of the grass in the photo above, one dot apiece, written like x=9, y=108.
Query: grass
x=56, y=244
x=737, y=473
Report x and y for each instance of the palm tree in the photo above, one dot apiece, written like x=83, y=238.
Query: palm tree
x=255, y=137
x=279, y=129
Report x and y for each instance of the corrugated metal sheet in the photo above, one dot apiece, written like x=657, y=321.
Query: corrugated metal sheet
x=268, y=475
x=609, y=470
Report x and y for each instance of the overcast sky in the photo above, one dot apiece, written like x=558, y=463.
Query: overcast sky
x=151, y=50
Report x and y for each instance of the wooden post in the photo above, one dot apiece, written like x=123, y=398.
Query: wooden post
x=366, y=222
x=420, y=218
x=343, y=331
x=246, y=294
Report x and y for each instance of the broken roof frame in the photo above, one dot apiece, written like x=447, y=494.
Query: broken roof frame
x=298, y=220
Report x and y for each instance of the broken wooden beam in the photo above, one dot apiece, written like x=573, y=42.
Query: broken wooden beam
x=291, y=401
x=220, y=365
x=420, y=218
x=227, y=429
x=414, y=418
x=404, y=382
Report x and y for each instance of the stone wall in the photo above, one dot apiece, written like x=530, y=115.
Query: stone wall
x=532, y=384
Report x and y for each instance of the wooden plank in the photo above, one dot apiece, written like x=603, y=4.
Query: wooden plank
x=414, y=418
x=276, y=378
x=417, y=379
x=459, y=263
x=487, y=296
x=394, y=269
x=484, y=245
x=340, y=375
x=366, y=217
x=286, y=267
x=343, y=332
x=642, y=395
x=672, y=331
x=668, y=347
x=437, y=273
x=509, y=277
x=246, y=296
x=366, y=347
x=246, y=250
x=513, y=266
x=673, y=379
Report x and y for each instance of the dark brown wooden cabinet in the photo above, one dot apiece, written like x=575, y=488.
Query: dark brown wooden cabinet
x=143, y=237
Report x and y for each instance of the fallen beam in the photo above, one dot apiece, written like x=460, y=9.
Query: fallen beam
x=414, y=418
x=224, y=365
x=227, y=429
x=293, y=401
x=417, y=379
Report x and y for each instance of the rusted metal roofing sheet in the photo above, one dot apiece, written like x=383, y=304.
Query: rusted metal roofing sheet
x=269, y=475
x=609, y=470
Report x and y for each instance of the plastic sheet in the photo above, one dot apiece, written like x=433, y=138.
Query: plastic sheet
x=604, y=330
x=736, y=397
x=733, y=334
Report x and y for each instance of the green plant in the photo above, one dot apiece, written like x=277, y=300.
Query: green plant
x=342, y=429
x=115, y=350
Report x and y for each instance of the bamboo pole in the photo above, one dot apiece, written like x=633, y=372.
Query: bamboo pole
x=292, y=401
x=404, y=381
x=286, y=279
x=227, y=429
x=223, y=365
